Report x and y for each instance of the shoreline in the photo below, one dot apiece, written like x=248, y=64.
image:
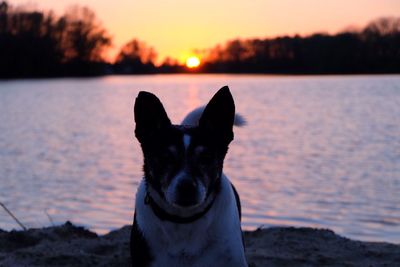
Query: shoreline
x=70, y=245
x=272, y=74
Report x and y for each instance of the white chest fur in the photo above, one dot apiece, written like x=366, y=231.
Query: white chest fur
x=213, y=240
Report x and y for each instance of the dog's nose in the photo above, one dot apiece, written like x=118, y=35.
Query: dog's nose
x=187, y=194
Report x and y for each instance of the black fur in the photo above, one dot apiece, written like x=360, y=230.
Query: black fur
x=140, y=252
x=238, y=204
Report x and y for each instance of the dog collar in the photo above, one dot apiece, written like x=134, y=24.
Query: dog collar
x=165, y=216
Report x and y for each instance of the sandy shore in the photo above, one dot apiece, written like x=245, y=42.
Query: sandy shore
x=69, y=245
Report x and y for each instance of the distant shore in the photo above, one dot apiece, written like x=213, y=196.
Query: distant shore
x=2, y=79
x=69, y=245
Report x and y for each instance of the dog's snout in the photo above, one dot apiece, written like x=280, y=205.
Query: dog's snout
x=187, y=193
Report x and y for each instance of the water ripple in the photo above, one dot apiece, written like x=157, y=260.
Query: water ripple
x=317, y=151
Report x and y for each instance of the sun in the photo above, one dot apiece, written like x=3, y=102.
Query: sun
x=192, y=62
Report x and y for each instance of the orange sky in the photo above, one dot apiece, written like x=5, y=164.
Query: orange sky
x=176, y=27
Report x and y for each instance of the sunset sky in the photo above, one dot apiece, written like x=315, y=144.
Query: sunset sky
x=176, y=27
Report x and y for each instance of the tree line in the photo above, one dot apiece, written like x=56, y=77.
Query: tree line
x=40, y=44
x=373, y=49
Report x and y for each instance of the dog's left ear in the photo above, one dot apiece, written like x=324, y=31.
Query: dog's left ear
x=218, y=116
x=150, y=116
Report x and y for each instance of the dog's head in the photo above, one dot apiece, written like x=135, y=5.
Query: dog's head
x=183, y=164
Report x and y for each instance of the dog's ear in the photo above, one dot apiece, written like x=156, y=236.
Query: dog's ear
x=150, y=116
x=218, y=116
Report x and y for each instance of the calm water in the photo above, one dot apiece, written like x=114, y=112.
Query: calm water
x=317, y=151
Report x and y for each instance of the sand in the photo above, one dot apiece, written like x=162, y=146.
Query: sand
x=69, y=245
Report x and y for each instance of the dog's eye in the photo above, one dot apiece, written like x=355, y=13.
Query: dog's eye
x=205, y=158
x=168, y=156
x=203, y=155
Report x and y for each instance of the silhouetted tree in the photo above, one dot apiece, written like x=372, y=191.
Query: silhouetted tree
x=376, y=49
x=36, y=44
x=383, y=27
x=136, y=57
x=3, y=16
x=85, y=39
x=26, y=45
x=171, y=65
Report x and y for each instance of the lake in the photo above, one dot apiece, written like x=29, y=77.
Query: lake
x=318, y=151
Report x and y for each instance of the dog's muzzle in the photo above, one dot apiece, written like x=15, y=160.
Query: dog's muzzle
x=186, y=193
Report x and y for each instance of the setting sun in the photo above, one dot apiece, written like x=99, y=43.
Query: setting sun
x=192, y=62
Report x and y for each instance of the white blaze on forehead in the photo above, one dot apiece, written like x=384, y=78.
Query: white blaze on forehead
x=172, y=190
x=186, y=140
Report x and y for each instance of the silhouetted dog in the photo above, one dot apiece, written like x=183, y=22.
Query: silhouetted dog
x=187, y=212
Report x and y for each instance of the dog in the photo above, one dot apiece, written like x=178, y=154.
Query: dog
x=187, y=212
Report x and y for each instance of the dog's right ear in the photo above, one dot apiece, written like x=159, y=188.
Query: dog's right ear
x=150, y=116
